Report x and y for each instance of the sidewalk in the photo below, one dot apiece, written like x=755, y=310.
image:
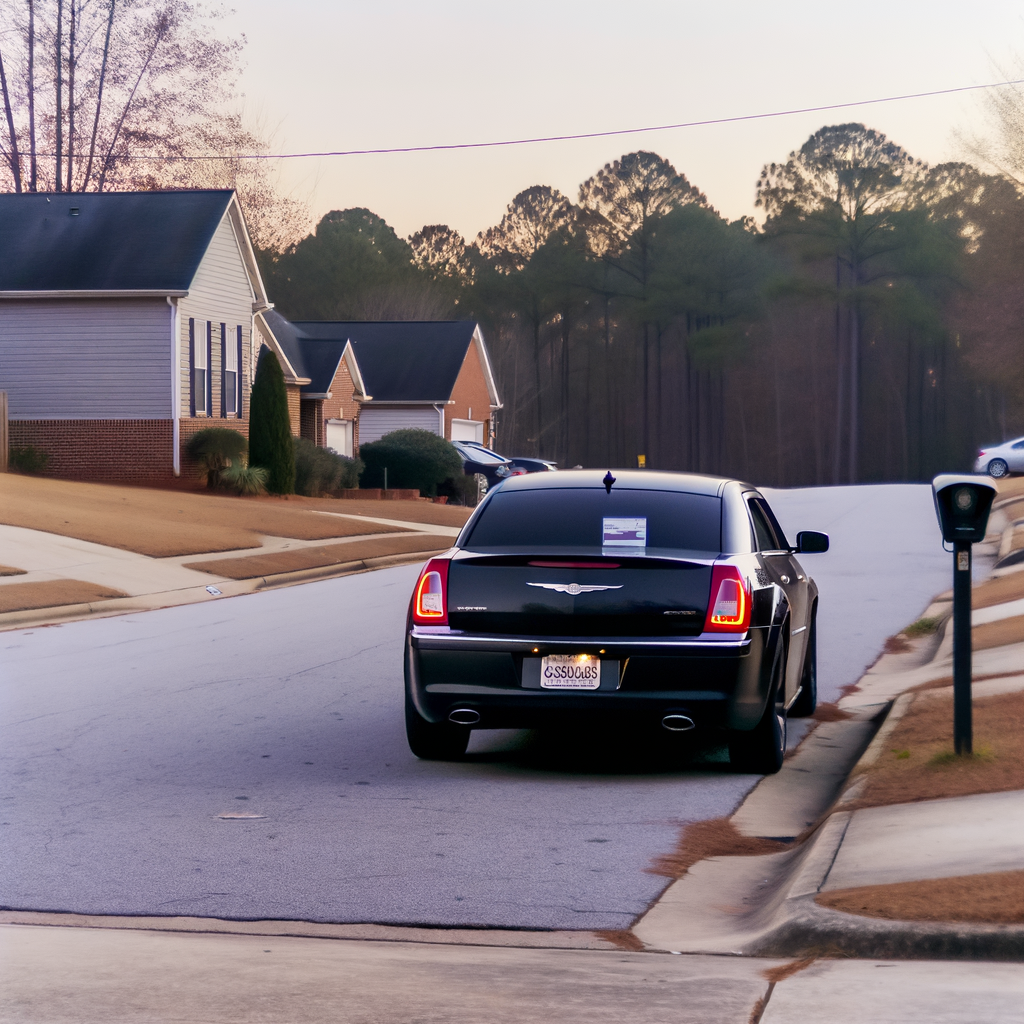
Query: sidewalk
x=869, y=873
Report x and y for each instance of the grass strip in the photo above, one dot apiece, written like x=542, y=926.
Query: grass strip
x=250, y=566
x=19, y=597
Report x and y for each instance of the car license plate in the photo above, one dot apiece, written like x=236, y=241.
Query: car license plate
x=570, y=672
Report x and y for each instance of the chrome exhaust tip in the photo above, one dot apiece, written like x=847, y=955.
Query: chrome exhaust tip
x=464, y=716
x=676, y=722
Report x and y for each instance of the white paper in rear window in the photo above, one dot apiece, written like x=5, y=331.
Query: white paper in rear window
x=624, y=533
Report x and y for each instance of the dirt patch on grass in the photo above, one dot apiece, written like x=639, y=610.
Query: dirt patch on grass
x=405, y=511
x=8, y=570
x=164, y=523
x=997, y=898
x=919, y=764
x=718, y=837
x=19, y=597
x=998, y=590
x=250, y=566
x=998, y=634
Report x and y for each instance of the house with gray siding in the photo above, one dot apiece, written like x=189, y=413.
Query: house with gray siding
x=126, y=325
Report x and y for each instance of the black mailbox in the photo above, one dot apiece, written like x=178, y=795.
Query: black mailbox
x=962, y=504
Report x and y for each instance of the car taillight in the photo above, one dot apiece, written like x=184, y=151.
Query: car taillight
x=430, y=598
x=729, y=607
x=518, y=471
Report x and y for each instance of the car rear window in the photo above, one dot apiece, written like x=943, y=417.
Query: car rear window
x=575, y=518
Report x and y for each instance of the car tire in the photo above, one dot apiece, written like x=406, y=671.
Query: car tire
x=998, y=468
x=806, y=702
x=434, y=741
x=761, y=750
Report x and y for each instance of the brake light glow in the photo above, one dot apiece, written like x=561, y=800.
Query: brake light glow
x=430, y=598
x=729, y=608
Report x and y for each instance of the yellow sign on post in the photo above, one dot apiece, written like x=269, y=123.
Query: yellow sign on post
x=641, y=462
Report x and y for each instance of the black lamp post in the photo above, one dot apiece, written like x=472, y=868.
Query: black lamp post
x=962, y=504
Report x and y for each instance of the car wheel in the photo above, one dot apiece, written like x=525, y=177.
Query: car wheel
x=997, y=468
x=434, y=741
x=806, y=702
x=761, y=749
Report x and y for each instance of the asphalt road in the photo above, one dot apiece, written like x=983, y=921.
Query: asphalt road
x=130, y=745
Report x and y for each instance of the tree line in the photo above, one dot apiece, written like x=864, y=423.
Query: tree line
x=868, y=328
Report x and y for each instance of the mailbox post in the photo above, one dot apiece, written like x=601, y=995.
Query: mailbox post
x=962, y=504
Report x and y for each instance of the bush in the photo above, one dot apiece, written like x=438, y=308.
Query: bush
x=245, y=479
x=413, y=458
x=27, y=459
x=322, y=470
x=460, y=490
x=270, y=428
x=217, y=449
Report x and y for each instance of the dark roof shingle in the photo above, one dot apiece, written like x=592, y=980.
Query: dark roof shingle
x=118, y=241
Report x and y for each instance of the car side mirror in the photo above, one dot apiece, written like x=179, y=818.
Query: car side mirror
x=808, y=542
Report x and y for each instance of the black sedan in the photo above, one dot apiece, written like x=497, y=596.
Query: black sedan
x=651, y=597
x=479, y=460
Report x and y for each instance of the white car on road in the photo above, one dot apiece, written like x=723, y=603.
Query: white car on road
x=999, y=460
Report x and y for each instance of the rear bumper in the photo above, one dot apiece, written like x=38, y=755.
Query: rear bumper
x=718, y=681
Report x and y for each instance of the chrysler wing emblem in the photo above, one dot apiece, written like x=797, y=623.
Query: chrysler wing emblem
x=572, y=588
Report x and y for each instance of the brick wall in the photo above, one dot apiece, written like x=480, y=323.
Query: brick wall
x=135, y=451
x=294, y=408
x=470, y=398
x=128, y=451
x=313, y=421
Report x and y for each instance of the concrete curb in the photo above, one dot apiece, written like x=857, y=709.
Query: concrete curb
x=30, y=617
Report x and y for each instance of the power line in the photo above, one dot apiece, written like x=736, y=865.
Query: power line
x=582, y=135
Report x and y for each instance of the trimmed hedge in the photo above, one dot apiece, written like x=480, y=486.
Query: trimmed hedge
x=413, y=458
x=322, y=470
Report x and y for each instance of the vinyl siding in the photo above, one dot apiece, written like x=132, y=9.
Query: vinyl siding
x=222, y=294
x=375, y=423
x=94, y=359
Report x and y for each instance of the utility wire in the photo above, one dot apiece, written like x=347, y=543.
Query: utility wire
x=583, y=135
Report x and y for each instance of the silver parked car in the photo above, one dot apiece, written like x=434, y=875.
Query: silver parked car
x=999, y=460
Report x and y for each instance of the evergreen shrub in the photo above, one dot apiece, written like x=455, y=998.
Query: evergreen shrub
x=322, y=470
x=27, y=459
x=270, y=429
x=413, y=458
x=216, y=449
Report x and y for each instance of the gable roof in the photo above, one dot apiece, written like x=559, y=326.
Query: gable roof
x=132, y=243
x=406, y=361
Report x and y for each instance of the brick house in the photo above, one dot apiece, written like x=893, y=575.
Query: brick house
x=352, y=382
x=126, y=325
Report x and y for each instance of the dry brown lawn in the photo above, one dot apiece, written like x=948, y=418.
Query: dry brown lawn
x=919, y=764
x=405, y=511
x=998, y=590
x=996, y=898
x=998, y=634
x=18, y=597
x=250, y=566
x=162, y=523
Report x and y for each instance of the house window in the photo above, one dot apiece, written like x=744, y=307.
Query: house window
x=200, y=375
x=230, y=373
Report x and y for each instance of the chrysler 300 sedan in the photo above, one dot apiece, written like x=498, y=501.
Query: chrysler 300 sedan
x=642, y=597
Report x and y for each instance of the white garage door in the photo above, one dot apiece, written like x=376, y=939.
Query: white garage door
x=339, y=436
x=375, y=423
x=468, y=430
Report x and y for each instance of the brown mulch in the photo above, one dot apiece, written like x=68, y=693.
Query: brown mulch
x=162, y=523
x=996, y=898
x=918, y=762
x=250, y=566
x=998, y=634
x=717, y=837
x=19, y=597
x=9, y=570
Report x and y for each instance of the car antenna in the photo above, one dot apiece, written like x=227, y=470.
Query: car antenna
x=608, y=481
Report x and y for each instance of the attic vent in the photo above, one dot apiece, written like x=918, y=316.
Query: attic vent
x=74, y=211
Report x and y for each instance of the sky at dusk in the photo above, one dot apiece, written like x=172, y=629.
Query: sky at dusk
x=327, y=75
